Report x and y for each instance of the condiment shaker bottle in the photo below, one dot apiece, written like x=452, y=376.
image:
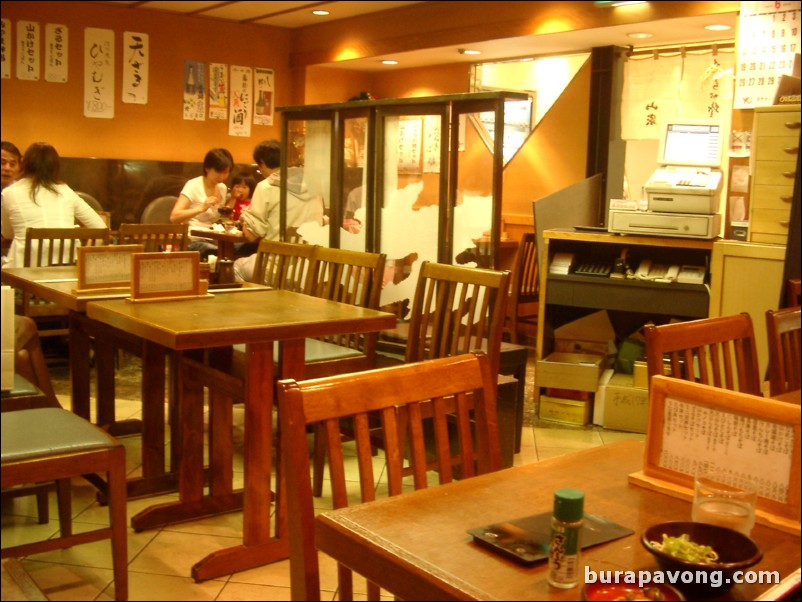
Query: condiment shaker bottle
x=566, y=536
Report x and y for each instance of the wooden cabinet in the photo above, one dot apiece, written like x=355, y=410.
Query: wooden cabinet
x=775, y=146
x=631, y=303
x=747, y=277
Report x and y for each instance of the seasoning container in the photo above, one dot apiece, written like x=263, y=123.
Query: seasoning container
x=566, y=544
x=225, y=271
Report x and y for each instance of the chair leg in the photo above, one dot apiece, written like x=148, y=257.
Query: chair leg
x=117, y=493
x=318, y=461
x=64, y=497
x=43, y=506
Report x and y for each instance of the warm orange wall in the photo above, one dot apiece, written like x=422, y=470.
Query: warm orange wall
x=53, y=112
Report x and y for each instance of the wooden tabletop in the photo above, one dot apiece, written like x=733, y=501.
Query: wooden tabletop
x=228, y=319
x=416, y=546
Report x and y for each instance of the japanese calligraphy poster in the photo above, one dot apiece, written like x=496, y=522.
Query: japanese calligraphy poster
x=239, y=119
x=136, y=58
x=218, y=91
x=431, y=147
x=707, y=86
x=28, y=50
x=410, y=133
x=264, y=80
x=56, y=52
x=768, y=38
x=99, y=73
x=195, y=90
x=650, y=95
x=5, y=44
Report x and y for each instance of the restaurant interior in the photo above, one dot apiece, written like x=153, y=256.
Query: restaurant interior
x=402, y=103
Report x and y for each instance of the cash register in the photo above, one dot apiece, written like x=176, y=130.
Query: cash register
x=683, y=193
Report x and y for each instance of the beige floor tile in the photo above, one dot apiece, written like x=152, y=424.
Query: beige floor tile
x=609, y=437
x=70, y=582
x=147, y=586
x=172, y=553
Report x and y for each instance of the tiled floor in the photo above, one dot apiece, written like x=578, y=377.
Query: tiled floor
x=160, y=560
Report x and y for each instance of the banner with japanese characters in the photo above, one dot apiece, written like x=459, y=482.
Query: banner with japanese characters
x=5, y=43
x=57, y=46
x=195, y=90
x=239, y=119
x=99, y=73
x=263, y=91
x=218, y=91
x=28, y=50
x=136, y=58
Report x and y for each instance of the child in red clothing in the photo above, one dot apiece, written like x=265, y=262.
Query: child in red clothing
x=242, y=187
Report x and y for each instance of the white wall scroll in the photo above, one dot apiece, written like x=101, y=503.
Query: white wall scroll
x=28, y=50
x=99, y=73
x=57, y=48
x=239, y=118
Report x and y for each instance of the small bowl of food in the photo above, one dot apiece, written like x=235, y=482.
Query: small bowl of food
x=658, y=592
x=702, y=557
x=225, y=211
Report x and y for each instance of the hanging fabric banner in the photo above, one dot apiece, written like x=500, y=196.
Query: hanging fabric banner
x=650, y=95
x=56, y=53
x=136, y=58
x=218, y=91
x=98, y=73
x=194, y=90
x=707, y=86
x=239, y=119
x=28, y=50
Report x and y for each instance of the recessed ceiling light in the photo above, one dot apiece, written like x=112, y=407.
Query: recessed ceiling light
x=718, y=27
x=467, y=51
x=389, y=62
x=320, y=13
x=640, y=35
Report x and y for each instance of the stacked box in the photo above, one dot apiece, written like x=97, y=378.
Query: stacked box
x=572, y=378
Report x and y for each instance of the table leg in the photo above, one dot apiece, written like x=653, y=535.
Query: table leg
x=79, y=365
x=258, y=546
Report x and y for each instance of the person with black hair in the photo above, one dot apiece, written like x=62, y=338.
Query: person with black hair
x=242, y=187
x=11, y=158
x=201, y=196
x=39, y=199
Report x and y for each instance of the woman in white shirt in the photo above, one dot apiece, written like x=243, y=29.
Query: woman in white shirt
x=39, y=199
x=198, y=202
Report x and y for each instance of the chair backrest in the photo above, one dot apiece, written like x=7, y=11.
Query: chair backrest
x=783, y=331
x=352, y=277
x=155, y=237
x=57, y=246
x=283, y=265
x=793, y=292
x=461, y=384
x=456, y=310
x=720, y=352
x=525, y=286
x=158, y=210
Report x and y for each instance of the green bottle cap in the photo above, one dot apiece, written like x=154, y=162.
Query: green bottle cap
x=569, y=505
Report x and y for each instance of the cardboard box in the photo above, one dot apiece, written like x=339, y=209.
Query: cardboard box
x=590, y=334
x=598, y=401
x=640, y=375
x=629, y=351
x=626, y=407
x=567, y=411
x=577, y=371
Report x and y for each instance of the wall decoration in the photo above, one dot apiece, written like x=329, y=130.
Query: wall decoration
x=136, y=59
x=410, y=149
x=194, y=90
x=768, y=38
x=56, y=53
x=99, y=73
x=5, y=47
x=28, y=50
x=431, y=146
x=650, y=95
x=239, y=119
x=263, y=90
x=218, y=91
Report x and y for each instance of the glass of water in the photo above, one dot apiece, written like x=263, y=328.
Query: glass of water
x=721, y=499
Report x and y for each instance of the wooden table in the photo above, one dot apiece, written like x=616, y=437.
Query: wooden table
x=790, y=397
x=416, y=546
x=225, y=240
x=256, y=319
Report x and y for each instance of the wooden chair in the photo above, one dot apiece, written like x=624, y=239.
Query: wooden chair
x=158, y=210
x=793, y=292
x=155, y=237
x=462, y=386
x=783, y=331
x=524, y=288
x=54, y=246
x=720, y=352
x=47, y=444
x=283, y=265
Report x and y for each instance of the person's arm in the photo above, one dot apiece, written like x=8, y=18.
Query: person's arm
x=86, y=215
x=183, y=211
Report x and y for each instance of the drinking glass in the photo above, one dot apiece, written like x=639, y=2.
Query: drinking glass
x=718, y=501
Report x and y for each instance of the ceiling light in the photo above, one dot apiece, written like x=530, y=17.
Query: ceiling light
x=320, y=13
x=467, y=51
x=640, y=35
x=389, y=62
x=614, y=3
x=718, y=27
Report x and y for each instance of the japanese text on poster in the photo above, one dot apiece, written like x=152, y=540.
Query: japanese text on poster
x=264, y=80
x=56, y=52
x=136, y=57
x=98, y=73
x=239, y=119
x=5, y=48
x=195, y=90
x=28, y=50
x=218, y=91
